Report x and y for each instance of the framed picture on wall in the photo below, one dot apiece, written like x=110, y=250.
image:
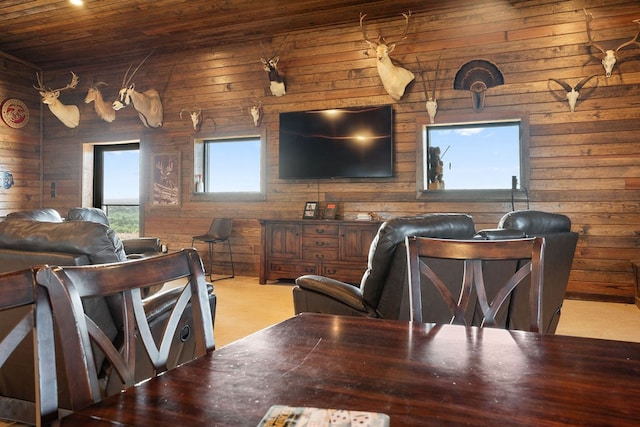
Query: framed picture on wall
x=165, y=181
x=310, y=210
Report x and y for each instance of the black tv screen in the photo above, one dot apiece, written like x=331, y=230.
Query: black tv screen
x=338, y=143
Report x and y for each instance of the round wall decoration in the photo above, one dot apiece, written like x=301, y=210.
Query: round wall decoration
x=15, y=113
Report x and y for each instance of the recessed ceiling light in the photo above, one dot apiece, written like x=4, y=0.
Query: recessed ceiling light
x=76, y=2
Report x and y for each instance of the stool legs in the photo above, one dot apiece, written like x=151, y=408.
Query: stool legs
x=211, y=243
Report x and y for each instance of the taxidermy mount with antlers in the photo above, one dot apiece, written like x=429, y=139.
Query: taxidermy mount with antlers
x=269, y=64
x=609, y=56
x=196, y=117
x=147, y=104
x=256, y=112
x=430, y=92
x=103, y=108
x=394, y=78
x=69, y=115
x=573, y=93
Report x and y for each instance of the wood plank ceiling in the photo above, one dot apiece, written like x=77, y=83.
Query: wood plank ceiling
x=53, y=34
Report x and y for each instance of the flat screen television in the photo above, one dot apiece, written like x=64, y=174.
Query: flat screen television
x=337, y=143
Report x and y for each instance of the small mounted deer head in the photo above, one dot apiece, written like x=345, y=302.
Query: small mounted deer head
x=147, y=103
x=69, y=115
x=430, y=90
x=104, y=109
x=269, y=63
x=394, y=78
x=196, y=117
x=256, y=112
x=573, y=93
x=609, y=56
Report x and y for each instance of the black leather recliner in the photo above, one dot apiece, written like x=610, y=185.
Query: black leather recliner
x=383, y=292
x=382, y=289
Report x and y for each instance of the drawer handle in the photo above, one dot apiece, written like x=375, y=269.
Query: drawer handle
x=309, y=270
x=320, y=256
x=331, y=271
x=319, y=243
x=320, y=230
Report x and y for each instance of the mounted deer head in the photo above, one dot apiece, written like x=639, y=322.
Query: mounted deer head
x=103, y=108
x=256, y=112
x=196, y=117
x=269, y=63
x=573, y=93
x=69, y=115
x=394, y=78
x=609, y=56
x=430, y=92
x=147, y=104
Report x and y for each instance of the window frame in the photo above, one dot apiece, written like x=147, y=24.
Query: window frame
x=474, y=195
x=199, y=167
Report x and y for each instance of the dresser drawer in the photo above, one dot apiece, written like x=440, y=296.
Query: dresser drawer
x=319, y=242
x=290, y=270
x=319, y=254
x=320, y=230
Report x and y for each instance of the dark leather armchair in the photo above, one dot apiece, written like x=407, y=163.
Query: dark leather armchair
x=383, y=291
x=383, y=285
x=560, y=249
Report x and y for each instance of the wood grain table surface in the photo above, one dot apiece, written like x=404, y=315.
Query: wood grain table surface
x=417, y=374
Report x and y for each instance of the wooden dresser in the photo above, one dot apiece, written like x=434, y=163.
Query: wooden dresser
x=331, y=248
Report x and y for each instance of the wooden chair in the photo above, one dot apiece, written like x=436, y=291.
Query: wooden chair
x=82, y=339
x=32, y=314
x=219, y=232
x=528, y=261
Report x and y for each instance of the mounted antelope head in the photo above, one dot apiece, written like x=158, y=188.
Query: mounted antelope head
x=147, y=104
x=430, y=92
x=69, y=115
x=256, y=112
x=394, y=78
x=609, y=56
x=196, y=117
x=269, y=63
x=103, y=108
x=573, y=93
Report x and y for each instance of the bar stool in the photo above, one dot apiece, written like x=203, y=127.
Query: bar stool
x=219, y=232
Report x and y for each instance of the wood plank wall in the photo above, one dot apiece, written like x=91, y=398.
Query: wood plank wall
x=20, y=148
x=583, y=164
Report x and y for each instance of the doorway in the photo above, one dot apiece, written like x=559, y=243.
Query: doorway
x=115, y=185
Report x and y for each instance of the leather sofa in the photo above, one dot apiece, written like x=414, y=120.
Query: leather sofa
x=383, y=291
x=43, y=237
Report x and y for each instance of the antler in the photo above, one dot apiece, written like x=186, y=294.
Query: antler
x=275, y=53
x=406, y=29
x=41, y=85
x=588, y=19
x=125, y=80
x=72, y=84
x=633, y=40
x=364, y=31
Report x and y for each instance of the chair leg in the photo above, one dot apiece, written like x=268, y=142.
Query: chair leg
x=233, y=271
x=210, y=261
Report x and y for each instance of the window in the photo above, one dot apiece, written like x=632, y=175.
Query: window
x=230, y=168
x=116, y=189
x=474, y=160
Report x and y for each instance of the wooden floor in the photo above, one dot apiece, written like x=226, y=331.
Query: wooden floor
x=244, y=306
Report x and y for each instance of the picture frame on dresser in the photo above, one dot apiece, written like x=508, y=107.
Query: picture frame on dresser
x=310, y=210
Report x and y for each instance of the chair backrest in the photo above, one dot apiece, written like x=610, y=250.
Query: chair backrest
x=30, y=304
x=384, y=282
x=560, y=247
x=220, y=228
x=423, y=255
x=82, y=338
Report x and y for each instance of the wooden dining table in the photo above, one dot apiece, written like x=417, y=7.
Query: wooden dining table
x=418, y=374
